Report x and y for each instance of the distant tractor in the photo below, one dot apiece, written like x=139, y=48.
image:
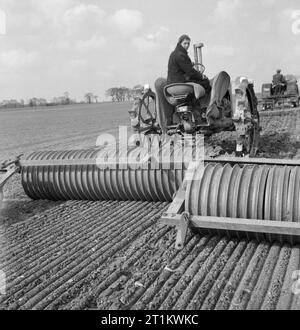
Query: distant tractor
x=289, y=97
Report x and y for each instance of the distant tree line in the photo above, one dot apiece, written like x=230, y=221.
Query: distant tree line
x=117, y=94
x=61, y=100
x=12, y=104
x=123, y=94
x=37, y=101
x=65, y=99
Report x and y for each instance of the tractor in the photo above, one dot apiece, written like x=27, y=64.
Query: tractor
x=288, y=95
x=180, y=109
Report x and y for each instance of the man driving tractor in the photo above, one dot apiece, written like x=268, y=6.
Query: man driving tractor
x=181, y=70
x=279, y=83
x=180, y=67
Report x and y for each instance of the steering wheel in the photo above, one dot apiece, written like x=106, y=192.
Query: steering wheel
x=200, y=67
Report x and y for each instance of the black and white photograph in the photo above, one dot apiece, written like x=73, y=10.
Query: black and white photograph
x=149, y=158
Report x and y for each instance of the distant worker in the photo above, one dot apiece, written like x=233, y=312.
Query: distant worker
x=279, y=83
x=181, y=69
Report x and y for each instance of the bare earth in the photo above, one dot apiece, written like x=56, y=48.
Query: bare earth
x=115, y=255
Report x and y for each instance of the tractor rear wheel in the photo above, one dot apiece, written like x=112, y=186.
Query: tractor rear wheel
x=251, y=141
x=252, y=136
x=147, y=108
x=246, y=120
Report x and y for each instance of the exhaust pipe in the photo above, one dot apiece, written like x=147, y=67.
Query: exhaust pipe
x=198, y=57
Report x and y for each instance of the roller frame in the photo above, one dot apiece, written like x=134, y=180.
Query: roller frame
x=230, y=160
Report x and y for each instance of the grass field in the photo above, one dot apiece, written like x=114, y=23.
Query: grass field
x=115, y=255
x=22, y=130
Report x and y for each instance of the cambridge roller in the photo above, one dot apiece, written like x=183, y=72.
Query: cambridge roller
x=261, y=192
x=81, y=175
x=214, y=189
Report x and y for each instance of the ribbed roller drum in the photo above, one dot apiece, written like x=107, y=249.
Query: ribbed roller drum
x=249, y=192
x=54, y=175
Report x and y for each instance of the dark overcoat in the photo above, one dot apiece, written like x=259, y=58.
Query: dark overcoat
x=181, y=69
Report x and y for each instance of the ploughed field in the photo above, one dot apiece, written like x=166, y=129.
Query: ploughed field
x=115, y=255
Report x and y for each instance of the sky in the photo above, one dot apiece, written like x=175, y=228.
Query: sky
x=48, y=47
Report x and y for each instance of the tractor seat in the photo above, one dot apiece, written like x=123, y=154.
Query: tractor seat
x=179, y=93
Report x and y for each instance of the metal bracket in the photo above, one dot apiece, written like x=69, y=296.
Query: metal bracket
x=182, y=223
x=9, y=168
x=9, y=163
x=182, y=229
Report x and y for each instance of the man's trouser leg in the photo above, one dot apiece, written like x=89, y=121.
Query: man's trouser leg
x=220, y=86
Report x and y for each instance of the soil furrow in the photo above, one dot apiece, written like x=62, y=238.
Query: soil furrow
x=290, y=282
x=235, y=278
x=260, y=290
x=243, y=292
x=83, y=266
x=86, y=253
